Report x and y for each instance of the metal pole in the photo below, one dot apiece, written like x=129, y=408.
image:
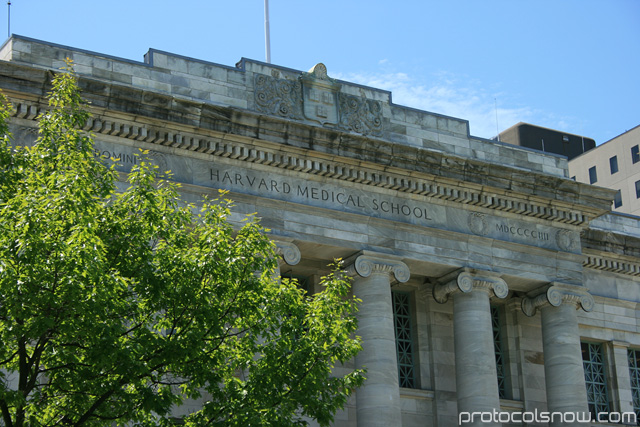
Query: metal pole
x=267, y=40
x=8, y=18
x=495, y=100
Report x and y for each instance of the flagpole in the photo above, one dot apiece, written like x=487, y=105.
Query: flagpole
x=267, y=40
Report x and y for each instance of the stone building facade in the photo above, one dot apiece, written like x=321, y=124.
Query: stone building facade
x=489, y=280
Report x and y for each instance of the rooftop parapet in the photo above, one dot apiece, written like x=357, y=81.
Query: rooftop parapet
x=313, y=98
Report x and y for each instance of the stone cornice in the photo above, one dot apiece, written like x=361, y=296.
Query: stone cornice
x=364, y=264
x=466, y=280
x=607, y=261
x=242, y=135
x=556, y=294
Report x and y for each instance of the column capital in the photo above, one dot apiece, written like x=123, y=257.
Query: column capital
x=466, y=280
x=364, y=264
x=288, y=251
x=555, y=294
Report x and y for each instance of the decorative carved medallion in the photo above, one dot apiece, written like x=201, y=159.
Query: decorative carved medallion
x=478, y=224
x=160, y=159
x=566, y=240
x=360, y=115
x=279, y=97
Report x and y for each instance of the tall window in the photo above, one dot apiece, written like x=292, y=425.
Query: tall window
x=402, y=318
x=617, y=199
x=595, y=377
x=613, y=164
x=593, y=175
x=637, y=189
x=635, y=154
x=498, y=347
x=634, y=373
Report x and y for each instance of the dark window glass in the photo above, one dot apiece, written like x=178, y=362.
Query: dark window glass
x=637, y=189
x=635, y=154
x=593, y=175
x=617, y=200
x=613, y=164
x=498, y=348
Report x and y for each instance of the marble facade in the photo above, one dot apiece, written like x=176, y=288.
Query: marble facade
x=409, y=199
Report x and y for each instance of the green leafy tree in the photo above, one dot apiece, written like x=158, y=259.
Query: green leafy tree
x=116, y=306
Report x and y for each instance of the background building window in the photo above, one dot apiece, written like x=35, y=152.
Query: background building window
x=635, y=154
x=402, y=318
x=595, y=378
x=617, y=199
x=637, y=189
x=593, y=175
x=498, y=347
x=634, y=373
x=613, y=164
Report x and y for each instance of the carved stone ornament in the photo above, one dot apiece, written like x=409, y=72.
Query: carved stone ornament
x=466, y=281
x=556, y=294
x=278, y=97
x=567, y=240
x=365, y=265
x=289, y=252
x=478, y=224
x=360, y=115
x=320, y=95
x=315, y=96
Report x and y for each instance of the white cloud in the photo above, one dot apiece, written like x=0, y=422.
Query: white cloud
x=450, y=96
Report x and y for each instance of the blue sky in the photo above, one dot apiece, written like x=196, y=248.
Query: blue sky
x=571, y=65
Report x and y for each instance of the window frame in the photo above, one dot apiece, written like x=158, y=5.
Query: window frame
x=617, y=200
x=593, y=175
x=497, y=327
x=406, y=345
x=634, y=378
x=595, y=373
x=613, y=165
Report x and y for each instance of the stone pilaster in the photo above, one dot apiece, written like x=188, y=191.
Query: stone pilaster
x=378, y=400
x=563, y=366
x=619, y=368
x=476, y=377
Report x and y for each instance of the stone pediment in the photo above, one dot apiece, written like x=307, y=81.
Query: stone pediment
x=316, y=97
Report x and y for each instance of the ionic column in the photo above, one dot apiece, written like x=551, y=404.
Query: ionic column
x=476, y=377
x=378, y=400
x=288, y=251
x=563, y=367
